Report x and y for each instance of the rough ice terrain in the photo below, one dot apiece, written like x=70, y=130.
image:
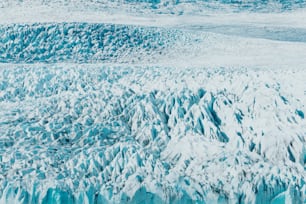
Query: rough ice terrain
x=152, y=102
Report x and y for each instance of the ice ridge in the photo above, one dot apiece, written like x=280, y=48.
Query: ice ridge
x=91, y=134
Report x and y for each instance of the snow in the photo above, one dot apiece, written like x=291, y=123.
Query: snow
x=112, y=102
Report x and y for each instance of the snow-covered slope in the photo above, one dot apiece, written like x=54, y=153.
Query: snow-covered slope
x=152, y=102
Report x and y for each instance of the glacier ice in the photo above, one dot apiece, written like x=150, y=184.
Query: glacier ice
x=81, y=42
x=152, y=102
x=89, y=133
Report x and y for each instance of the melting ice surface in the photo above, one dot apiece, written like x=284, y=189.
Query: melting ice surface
x=152, y=101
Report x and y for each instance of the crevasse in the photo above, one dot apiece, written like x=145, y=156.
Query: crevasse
x=78, y=134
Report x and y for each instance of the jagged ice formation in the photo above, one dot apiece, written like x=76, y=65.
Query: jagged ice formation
x=172, y=104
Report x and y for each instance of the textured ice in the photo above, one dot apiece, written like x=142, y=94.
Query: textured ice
x=82, y=42
x=167, y=6
x=170, y=104
x=73, y=133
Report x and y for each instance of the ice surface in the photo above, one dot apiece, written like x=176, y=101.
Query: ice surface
x=164, y=46
x=89, y=132
x=82, y=42
x=152, y=102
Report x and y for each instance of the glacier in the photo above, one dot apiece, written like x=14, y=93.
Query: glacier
x=152, y=102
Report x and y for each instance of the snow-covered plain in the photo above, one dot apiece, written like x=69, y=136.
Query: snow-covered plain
x=152, y=102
